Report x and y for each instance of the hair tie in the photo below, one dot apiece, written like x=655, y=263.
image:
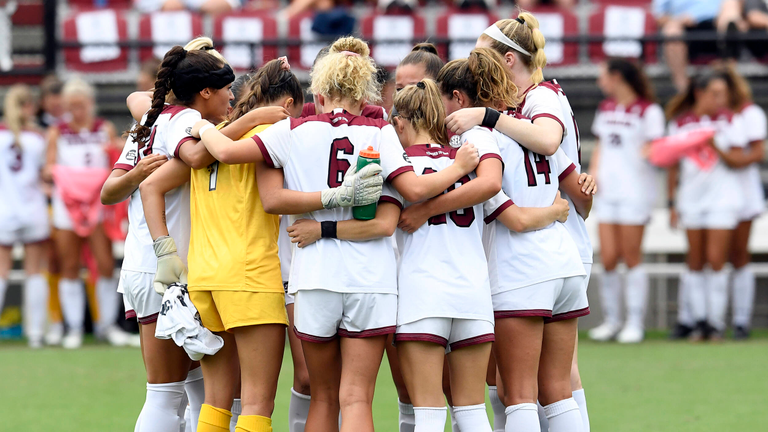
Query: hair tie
x=350, y=54
x=421, y=85
x=520, y=20
x=284, y=65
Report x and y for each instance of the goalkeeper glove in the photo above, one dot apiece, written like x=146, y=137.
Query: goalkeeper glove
x=359, y=188
x=170, y=268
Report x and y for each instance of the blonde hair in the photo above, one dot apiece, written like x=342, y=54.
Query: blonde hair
x=77, y=86
x=482, y=77
x=420, y=104
x=203, y=43
x=346, y=72
x=13, y=114
x=529, y=37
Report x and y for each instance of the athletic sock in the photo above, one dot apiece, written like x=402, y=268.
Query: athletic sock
x=522, y=418
x=697, y=295
x=454, y=424
x=610, y=294
x=107, y=298
x=195, y=388
x=254, y=423
x=543, y=422
x=743, y=296
x=35, y=306
x=183, y=405
x=298, y=410
x=430, y=419
x=3, y=289
x=564, y=416
x=237, y=409
x=72, y=299
x=499, y=417
x=213, y=419
x=581, y=401
x=406, y=419
x=684, y=314
x=161, y=408
x=636, y=296
x=472, y=418
x=717, y=298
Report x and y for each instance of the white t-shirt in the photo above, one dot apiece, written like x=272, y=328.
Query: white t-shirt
x=84, y=148
x=23, y=201
x=624, y=174
x=517, y=260
x=755, y=129
x=547, y=99
x=443, y=269
x=717, y=188
x=315, y=153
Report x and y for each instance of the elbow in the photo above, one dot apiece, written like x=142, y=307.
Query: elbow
x=518, y=225
x=147, y=187
x=491, y=187
x=388, y=229
x=415, y=194
x=550, y=143
x=196, y=162
x=270, y=205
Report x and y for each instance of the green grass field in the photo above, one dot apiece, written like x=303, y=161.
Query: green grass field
x=657, y=386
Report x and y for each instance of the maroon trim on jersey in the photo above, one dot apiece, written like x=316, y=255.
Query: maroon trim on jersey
x=391, y=200
x=567, y=171
x=492, y=217
x=148, y=319
x=523, y=313
x=491, y=155
x=421, y=337
x=370, y=111
x=173, y=109
x=399, y=171
x=122, y=166
x=690, y=117
x=435, y=151
x=130, y=314
x=553, y=117
x=567, y=315
x=313, y=339
x=477, y=340
x=367, y=333
x=611, y=105
x=264, y=151
x=178, y=146
x=338, y=119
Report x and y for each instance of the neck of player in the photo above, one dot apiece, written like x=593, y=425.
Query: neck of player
x=352, y=107
x=624, y=95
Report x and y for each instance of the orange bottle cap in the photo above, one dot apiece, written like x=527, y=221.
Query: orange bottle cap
x=369, y=153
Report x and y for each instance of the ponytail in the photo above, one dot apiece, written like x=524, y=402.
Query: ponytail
x=273, y=81
x=633, y=75
x=421, y=106
x=523, y=31
x=13, y=111
x=424, y=54
x=482, y=77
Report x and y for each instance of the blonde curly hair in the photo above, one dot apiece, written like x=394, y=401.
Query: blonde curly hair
x=346, y=72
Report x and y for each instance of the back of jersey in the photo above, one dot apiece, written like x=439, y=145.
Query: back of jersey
x=20, y=166
x=83, y=148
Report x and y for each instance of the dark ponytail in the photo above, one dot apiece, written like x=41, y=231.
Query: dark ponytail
x=424, y=54
x=684, y=101
x=634, y=76
x=162, y=88
x=267, y=85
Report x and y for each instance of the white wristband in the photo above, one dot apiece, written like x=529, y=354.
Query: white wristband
x=205, y=128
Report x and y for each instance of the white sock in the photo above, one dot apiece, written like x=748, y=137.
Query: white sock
x=697, y=295
x=298, y=410
x=183, y=405
x=717, y=298
x=743, y=296
x=610, y=295
x=454, y=424
x=636, y=296
x=684, y=314
x=543, y=422
x=237, y=409
x=72, y=299
x=195, y=389
x=564, y=416
x=406, y=418
x=522, y=417
x=107, y=298
x=430, y=419
x=472, y=418
x=161, y=408
x=35, y=306
x=581, y=401
x=499, y=417
x=3, y=289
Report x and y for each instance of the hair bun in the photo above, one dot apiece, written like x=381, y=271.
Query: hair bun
x=352, y=45
x=425, y=46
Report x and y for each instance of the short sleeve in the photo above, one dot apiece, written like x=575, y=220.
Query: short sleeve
x=597, y=124
x=653, y=122
x=179, y=129
x=736, y=133
x=544, y=102
x=495, y=206
x=394, y=161
x=390, y=195
x=754, y=122
x=564, y=164
x=484, y=141
x=128, y=157
x=275, y=143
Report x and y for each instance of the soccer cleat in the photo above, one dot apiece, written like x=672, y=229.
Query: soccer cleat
x=701, y=332
x=35, y=343
x=73, y=340
x=630, y=335
x=740, y=333
x=604, y=332
x=55, y=334
x=681, y=331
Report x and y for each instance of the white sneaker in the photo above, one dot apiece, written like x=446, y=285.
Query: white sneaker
x=630, y=334
x=73, y=340
x=134, y=340
x=116, y=336
x=604, y=332
x=35, y=342
x=55, y=334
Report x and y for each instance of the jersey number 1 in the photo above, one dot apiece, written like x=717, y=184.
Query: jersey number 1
x=213, y=171
x=542, y=167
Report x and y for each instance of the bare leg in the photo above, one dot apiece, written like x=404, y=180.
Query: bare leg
x=324, y=366
x=361, y=359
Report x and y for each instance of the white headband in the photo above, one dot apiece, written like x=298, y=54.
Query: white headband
x=495, y=33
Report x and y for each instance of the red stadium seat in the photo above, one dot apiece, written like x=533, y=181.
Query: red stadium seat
x=28, y=13
x=106, y=26
x=463, y=26
x=238, y=29
x=89, y=4
x=620, y=20
x=300, y=28
x=402, y=28
x=556, y=23
x=166, y=29
x=643, y=3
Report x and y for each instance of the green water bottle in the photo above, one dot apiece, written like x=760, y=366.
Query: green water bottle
x=365, y=157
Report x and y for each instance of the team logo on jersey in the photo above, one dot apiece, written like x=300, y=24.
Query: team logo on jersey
x=455, y=141
x=188, y=131
x=131, y=155
x=406, y=158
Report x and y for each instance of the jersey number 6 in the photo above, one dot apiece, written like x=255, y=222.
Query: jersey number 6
x=337, y=167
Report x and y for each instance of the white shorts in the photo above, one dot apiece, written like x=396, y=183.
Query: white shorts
x=455, y=333
x=289, y=298
x=61, y=218
x=715, y=219
x=754, y=206
x=321, y=315
x=26, y=234
x=554, y=300
x=139, y=297
x=623, y=213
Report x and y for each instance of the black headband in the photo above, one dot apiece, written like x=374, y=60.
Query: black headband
x=189, y=81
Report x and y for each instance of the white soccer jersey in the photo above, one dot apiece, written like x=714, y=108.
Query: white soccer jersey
x=284, y=248
x=23, y=201
x=547, y=99
x=301, y=148
x=716, y=188
x=755, y=129
x=84, y=148
x=443, y=269
x=624, y=174
x=517, y=260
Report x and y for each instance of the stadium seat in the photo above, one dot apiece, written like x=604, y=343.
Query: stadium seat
x=622, y=21
x=300, y=29
x=104, y=26
x=556, y=23
x=166, y=29
x=238, y=29
x=461, y=27
x=83, y=5
x=28, y=13
x=401, y=28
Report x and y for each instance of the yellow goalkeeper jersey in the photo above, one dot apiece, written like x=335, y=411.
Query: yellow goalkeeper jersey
x=233, y=241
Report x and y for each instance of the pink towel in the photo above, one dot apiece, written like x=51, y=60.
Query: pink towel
x=80, y=189
x=667, y=151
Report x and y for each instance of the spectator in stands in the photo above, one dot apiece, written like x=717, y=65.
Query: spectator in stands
x=51, y=109
x=211, y=7
x=147, y=74
x=756, y=16
x=531, y=4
